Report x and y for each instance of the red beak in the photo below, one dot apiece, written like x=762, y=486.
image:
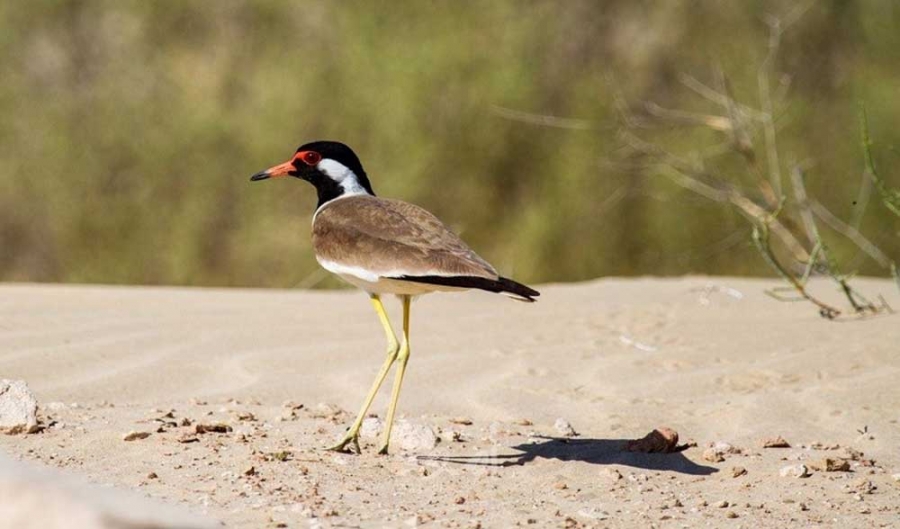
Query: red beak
x=275, y=172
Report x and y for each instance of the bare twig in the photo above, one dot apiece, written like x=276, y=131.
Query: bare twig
x=761, y=238
x=809, y=223
x=542, y=120
x=862, y=200
x=717, y=123
x=739, y=135
x=859, y=303
x=777, y=27
x=711, y=94
x=851, y=233
x=890, y=197
x=765, y=100
x=685, y=175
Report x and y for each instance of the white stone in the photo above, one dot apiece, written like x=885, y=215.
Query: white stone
x=18, y=407
x=563, y=427
x=794, y=471
x=724, y=448
x=413, y=437
x=371, y=428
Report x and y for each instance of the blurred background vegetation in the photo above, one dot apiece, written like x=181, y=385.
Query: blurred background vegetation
x=130, y=128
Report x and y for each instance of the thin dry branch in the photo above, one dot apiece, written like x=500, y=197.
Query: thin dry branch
x=864, y=244
x=717, y=123
x=542, y=119
x=890, y=197
x=687, y=176
x=859, y=303
x=761, y=239
x=777, y=27
x=806, y=216
x=743, y=143
x=863, y=196
x=765, y=102
x=711, y=94
x=740, y=137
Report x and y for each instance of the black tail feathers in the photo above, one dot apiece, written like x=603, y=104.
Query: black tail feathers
x=501, y=285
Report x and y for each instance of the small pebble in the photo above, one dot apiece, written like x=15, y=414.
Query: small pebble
x=246, y=416
x=722, y=504
x=712, y=455
x=152, y=475
x=731, y=514
x=725, y=448
x=864, y=486
x=563, y=427
x=134, y=436
x=834, y=465
x=737, y=472
x=214, y=428
x=794, y=471
x=414, y=437
x=823, y=446
x=660, y=440
x=775, y=442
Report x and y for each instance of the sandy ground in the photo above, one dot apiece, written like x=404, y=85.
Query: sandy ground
x=713, y=358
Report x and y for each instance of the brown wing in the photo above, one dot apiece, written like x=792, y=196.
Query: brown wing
x=392, y=238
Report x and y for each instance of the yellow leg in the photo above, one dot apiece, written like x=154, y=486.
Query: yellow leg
x=352, y=435
x=402, y=359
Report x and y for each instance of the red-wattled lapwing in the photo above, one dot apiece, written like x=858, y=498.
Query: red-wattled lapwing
x=383, y=246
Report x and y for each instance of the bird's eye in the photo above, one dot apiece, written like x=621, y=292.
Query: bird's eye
x=310, y=157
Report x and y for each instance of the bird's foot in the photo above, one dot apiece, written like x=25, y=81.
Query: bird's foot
x=342, y=446
x=385, y=441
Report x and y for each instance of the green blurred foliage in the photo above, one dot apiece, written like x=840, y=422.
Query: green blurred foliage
x=130, y=128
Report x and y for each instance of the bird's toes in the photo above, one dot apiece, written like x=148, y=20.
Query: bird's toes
x=348, y=445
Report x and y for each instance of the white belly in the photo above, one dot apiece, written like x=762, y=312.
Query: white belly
x=393, y=286
x=376, y=284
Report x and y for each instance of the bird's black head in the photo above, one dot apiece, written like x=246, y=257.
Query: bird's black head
x=332, y=167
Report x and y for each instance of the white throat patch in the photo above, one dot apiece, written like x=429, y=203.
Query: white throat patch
x=343, y=175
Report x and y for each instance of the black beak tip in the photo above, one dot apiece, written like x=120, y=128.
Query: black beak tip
x=262, y=175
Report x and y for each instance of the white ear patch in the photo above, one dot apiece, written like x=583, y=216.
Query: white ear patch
x=343, y=175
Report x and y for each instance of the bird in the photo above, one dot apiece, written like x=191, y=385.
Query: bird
x=383, y=246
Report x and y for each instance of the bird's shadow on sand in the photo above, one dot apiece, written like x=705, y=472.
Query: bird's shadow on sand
x=596, y=451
